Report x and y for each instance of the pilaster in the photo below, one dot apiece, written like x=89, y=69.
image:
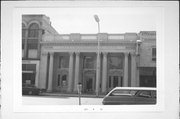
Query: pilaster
x=76, y=71
x=133, y=70
x=104, y=75
x=70, y=71
x=50, y=72
x=125, y=80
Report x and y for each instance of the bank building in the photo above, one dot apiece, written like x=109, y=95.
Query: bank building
x=59, y=62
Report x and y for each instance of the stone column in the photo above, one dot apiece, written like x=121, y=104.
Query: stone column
x=76, y=72
x=133, y=69
x=137, y=78
x=70, y=72
x=125, y=79
x=43, y=70
x=97, y=74
x=50, y=72
x=104, y=74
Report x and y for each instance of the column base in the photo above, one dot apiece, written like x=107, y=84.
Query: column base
x=49, y=91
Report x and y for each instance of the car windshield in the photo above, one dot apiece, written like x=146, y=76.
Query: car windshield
x=123, y=92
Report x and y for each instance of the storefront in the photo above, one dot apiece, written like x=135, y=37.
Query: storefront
x=30, y=72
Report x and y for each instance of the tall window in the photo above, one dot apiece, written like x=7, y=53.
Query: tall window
x=89, y=62
x=64, y=80
x=63, y=62
x=153, y=54
x=59, y=80
x=29, y=73
x=115, y=62
x=33, y=36
x=33, y=30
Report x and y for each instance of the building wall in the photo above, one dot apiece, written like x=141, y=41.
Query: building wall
x=146, y=54
x=148, y=39
x=35, y=55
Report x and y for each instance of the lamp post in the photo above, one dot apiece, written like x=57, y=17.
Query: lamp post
x=98, y=56
x=138, y=43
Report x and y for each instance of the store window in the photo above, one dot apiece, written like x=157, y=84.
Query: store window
x=28, y=73
x=29, y=67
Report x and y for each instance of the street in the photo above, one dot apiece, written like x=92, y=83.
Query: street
x=60, y=100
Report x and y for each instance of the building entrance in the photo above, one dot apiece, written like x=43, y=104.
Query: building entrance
x=89, y=82
x=114, y=81
x=61, y=82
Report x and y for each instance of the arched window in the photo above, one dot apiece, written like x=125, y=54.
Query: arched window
x=33, y=36
x=33, y=30
x=32, y=41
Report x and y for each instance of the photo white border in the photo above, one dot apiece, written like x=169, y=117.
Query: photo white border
x=16, y=64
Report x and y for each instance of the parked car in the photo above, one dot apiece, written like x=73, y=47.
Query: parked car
x=130, y=96
x=28, y=89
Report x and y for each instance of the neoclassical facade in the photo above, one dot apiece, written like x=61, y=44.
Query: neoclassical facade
x=59, y=62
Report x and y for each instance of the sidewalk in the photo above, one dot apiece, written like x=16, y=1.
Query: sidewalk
x=71, y=95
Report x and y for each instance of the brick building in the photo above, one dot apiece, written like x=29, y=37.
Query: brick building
x=58, y=62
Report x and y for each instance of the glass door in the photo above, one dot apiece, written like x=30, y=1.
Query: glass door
x=114, y=81
x=89, y=84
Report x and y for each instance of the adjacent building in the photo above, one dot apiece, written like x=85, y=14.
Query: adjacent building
x=59, y=62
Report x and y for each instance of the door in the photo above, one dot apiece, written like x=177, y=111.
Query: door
x=61, y=83
x=114, y=81
x=89, y=84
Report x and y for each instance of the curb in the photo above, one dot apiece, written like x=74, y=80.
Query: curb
x=71, y=95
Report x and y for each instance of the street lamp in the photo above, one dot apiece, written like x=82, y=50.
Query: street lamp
x=97, y=20
x=98, y=62
x=138, y=43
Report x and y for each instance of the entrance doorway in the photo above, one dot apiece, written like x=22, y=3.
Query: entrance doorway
x=89, y=83
x=114, y=81
x=61, y=83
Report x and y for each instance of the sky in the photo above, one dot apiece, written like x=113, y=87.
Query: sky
x=112, y=20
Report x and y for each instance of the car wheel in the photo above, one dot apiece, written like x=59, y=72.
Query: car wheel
x=30, y=92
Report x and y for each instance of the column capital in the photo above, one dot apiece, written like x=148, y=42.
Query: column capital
x=71, y=53
x=133, y=53
x=77, y=53
x=105, y=53
x=126, y=53
x=98, y=52
x=51, y=53
x=44, y=53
